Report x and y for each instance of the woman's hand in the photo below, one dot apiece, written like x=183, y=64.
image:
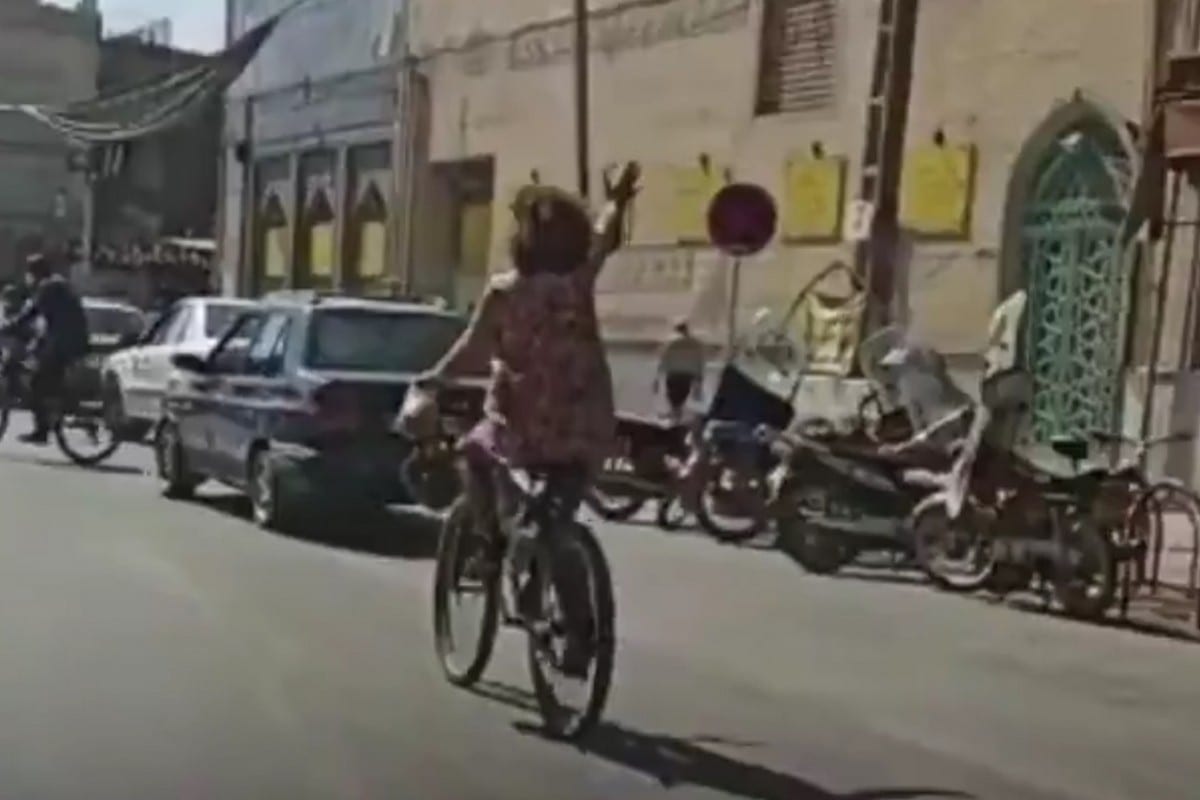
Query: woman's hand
x=622, y=190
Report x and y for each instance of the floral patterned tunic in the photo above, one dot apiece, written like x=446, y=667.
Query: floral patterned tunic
x=551, y=400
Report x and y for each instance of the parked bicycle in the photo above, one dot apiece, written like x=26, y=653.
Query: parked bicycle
x=81, y=429
x=536, y=569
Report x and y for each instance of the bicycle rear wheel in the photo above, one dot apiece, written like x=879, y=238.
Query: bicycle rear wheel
x=580, y=567
x=468, y=565
x=85, y=439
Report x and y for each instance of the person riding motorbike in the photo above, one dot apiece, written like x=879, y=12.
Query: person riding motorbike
x=62, y=342
x=550, y=403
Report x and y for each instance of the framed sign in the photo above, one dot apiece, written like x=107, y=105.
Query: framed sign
x=936, y=187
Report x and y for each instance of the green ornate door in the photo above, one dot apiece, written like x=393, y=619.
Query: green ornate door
x=1077, y=288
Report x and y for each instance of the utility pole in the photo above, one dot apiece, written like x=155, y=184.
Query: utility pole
x=883, y=159
x=582, y=98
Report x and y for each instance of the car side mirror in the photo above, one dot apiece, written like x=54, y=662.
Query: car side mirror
x=190, y=362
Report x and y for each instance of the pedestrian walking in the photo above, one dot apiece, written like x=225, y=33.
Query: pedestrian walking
x=680, y=369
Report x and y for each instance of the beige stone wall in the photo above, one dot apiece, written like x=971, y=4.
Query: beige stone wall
x=987, y=73
x=663, y=105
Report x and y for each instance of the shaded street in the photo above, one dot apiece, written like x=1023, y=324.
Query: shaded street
x=154, y=649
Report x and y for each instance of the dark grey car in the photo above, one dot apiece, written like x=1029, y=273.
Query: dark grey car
x=294, y=405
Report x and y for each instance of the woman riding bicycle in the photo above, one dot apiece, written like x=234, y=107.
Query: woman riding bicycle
x=549, y=405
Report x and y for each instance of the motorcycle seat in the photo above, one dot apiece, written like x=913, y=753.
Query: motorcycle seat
x=646, y=423
x=729, y=431
x=916, y=458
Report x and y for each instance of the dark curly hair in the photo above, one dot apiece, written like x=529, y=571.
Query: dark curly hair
x=554, y=231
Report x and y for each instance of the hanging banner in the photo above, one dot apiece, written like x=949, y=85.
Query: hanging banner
x=275, y=255
x=936, y=188
x=813, y=196
x=160, y=104
x=695, y=188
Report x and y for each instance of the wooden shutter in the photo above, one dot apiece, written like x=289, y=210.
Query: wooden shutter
x=798, y=65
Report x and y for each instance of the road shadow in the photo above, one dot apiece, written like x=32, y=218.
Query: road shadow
x=1160, y=629
x=762, y=542
x=47, y=462
x=867, y=572
x=404, y=533
x=675, y=761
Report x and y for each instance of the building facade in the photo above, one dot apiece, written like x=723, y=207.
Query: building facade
x=308, y=189
x=164, y=185
x=48, y=55
x=1017, y=154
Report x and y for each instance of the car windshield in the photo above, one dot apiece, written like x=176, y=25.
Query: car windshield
x=219, y=316
x=107, y=321
x=379, y=341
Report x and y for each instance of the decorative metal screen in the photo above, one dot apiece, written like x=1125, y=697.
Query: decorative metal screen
x=1077, y=286
x=798, y=71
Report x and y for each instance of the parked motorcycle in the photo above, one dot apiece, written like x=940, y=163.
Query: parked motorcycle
x=838, y=494
x=647, y=467
x=715, y=467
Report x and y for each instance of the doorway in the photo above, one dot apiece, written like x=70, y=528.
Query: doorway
x=1067, y=229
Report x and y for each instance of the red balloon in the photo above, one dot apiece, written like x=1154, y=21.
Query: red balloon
x=742, y=219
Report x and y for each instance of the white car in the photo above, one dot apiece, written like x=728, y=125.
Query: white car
x=135, y=379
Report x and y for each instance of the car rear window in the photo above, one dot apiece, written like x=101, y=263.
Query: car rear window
x=113, y=321
x=379, y=341
x=219, y=316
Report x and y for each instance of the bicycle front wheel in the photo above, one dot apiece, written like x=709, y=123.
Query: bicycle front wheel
x=6, y=404
x=466, y=597
x=572, y=644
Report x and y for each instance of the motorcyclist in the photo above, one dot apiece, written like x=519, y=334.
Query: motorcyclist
x=62, y=341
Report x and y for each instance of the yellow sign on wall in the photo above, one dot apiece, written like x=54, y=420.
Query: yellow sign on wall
x=695, y=188
x=475, y=238
x=320, y=244
x=372, y=238
x=651, y=215
x=813, y=195
x=275, y=252
x=937, y=184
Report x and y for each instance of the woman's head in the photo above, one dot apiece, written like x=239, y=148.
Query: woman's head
x=553, y=231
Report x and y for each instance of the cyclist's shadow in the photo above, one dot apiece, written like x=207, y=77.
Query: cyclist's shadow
x=675, y=761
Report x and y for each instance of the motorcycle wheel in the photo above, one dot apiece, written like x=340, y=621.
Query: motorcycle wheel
x=746, y=503
x=671, y=514
x=956, y=554
x=613, y=507
x=1087, y=585
x=819, y=551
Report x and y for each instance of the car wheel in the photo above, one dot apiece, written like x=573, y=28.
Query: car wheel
x=179, y=482
x=268, y=503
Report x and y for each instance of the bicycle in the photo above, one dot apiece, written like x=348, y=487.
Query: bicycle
x=75, y=412
x=537, y=570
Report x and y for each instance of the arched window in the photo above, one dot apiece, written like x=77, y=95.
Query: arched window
x=368, y=271
x=315, y=261
x=274, y=252
x=1068, y=199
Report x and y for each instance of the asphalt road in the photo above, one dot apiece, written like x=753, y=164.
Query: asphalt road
x=153, y=650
